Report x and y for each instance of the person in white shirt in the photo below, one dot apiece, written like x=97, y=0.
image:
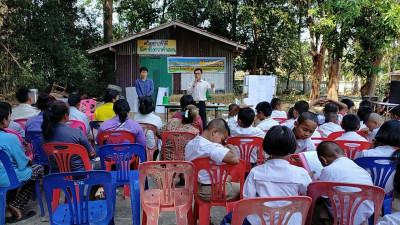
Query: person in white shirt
x=351, y=124
x=264, y=111
x=373, y=122
x=304, y=128
x=74, y=101
x=277, y=111
x=24, y=110
x=209, y=144
x=198, y=91
x=331, y=125
x=299, y=107
x=330, y=106
x=339, y=168
x=362, y=113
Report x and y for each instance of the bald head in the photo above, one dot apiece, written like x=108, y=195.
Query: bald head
x=329, y=149
x=219, y=124
x=375, y=117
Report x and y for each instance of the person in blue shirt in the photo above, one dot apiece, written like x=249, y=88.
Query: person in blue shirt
x=144, y=86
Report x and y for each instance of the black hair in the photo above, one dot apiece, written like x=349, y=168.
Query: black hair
x=395, y=111
x=5, y=111
x=350, y=122
x=22, y=95
x=74, y=99
x=246, y=115
x=279, y=141
x=290, y=113
x=43, y=101
x=389, y=133
x=109, y=95
x=201, y=71
x=232, y=106
x=52, y=116
x=348, y=102
x=301, y=106
x=275, y=102
x=121, y=108
x=396, y=179
x=143, y=68
x=329, y=149
x=220, y=124
x=331, y=107
x=189, y=114
x=186, y=100
x=365, y=103
x=363, y=112
x=331, y=117
x=146, y=105
x=307, y=116
x=265, y=108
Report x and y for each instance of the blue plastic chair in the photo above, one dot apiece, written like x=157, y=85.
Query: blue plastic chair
x=381, y=169
x=14, y=183
x=39, y=156
x=121, y=154
x=79, y=209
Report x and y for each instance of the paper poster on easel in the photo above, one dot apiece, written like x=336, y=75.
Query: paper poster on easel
x=261, y=88
x=132, y=98
x=160, y=94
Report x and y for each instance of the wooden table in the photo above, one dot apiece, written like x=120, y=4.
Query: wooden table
x=178, y=107
x=388, y=105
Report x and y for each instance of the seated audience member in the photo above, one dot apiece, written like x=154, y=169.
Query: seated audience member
x=382, y=109
x=363, y=112
x=299, y=107
x=366, y=103
x=339, y=168
x=276, y=177
x=330, y=106
x=106, y=111
x=303, y=129
x=185, y=101
x=209, y=144
x=290, y=115
x=25, y=170
x=395, y=113
x=14, y=126
x=350, y=104
x=373, y=122
x=189, y=114
x=24, y=110
x=264, y=115
x=34, y=124
x=277, y=112
x=74, y=101
x=55, y=130
x=121, y=122
x=351, y=124
x=230, y=107
x=331, y=125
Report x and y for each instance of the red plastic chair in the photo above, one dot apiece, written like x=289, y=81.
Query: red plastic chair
x=217, y=173
x=246, y=146
x=146, y=128
x=280, y=120
x=265, y=206
x=317, y=141
x=295, y=160
x=87, y=103
x=351, y=147
x=77, y=124
x=21, y=122
x=338, y=196
x=362, y=134
x=336, y=134
x=177, y=141
x=167, y=197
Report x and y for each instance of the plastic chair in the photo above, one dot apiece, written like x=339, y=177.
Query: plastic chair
x=115, y=137
x=317, y=141
x=335, y=192
x=336, y=134
x=122, y=154
x=280, y=120
x=295, y=160
x=381, y=169
x=79, y=209
x=177, y=140
x=150, y=127
x=16, y=134
x=265, y=206
x=362, y=134
x=21, y=122
x=246, y=146
x=77, y=124
x=351, y=147
x=39, y=155
x=87, y=103
x=14, y=183
x=167, y=197
x=218, y=175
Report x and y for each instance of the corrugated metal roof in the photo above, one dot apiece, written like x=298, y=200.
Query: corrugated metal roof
x=163, y=26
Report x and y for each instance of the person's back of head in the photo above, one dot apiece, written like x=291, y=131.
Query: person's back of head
x=279, y=141
x=307, y=116
x=300, y=107
x=232, y=106
x=52, y=116
x=331, y=107
x=121, y=108
x=189, y=114
x=275, y=103
x=146, y=105
x=363, y=112
x=374, y=118
x=348, y=102
x=246, y=116
x=109, y=96
x=366, y=103
x=395, y=112
x=74, y=99
x=22, y=95
x=219, y=124
x=389, y=134
x=350, y=122
x=5, y=112
x=44, y=100
x=186, y=100
x=265, y=108
x=328, y=151
x=331, y=118
x=290, y=113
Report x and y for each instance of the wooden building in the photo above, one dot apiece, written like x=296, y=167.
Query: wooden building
x=185, y=42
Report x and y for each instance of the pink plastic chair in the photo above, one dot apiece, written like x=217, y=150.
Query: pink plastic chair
x=336, y=134
x=16, y=134
x=218, y=175
x=317, y=141
x=167, y=197
x=338, y=196
x=280, y=120
x=21, y=122
x=351, y=147
x=262, y=206
x=246, y=145
x=77, y=124
x=177, y=140
x=87, y=103
x=146, y=128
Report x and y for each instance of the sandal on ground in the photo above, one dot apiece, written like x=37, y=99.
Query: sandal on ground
x=26, y=215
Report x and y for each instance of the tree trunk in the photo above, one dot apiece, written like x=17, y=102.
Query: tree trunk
x=305, y=87
x=318, y=71
x=234, y=22
x=107, y=22
x=334, y=77
x=355, y=87
x=370, y=85
x=255, y=50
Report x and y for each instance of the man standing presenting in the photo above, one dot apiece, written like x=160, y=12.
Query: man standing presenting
x=198, y=91
x=144, y=86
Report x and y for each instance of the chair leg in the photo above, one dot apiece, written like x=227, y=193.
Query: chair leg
x=204, y=211
x=387, y=206
x=39, y=196
x=144, y=218
x=190, y=216
x=195, y=213
x=135, y=201
x=3, y=194
x=126, y=191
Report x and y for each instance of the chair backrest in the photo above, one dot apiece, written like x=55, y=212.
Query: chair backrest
x=280, y=120
x=58, y=89
x=177, y=140
x=21, y=122
x=62, y=153
x=218, y=175
x=87, y=103
x=6, y=163
x=16, y=134
x=121, y=154
x=146, y=128
x=318, y=140
x=278, y=209
x=77, y=193
x=363, y=134
x=380, y=168
x=336, y=134
x=77, y=124
x=115, y=137
x=345, y=199
x=246, y=146
x=295, y=160
x=351, y=147
x=39, y=155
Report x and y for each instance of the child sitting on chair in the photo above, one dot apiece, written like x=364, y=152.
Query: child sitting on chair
x=277, y=111
x=304, y=128
x=331, y=125
x=373, y=121
x=264, y=111
x=351, y=124
x=299, y=107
